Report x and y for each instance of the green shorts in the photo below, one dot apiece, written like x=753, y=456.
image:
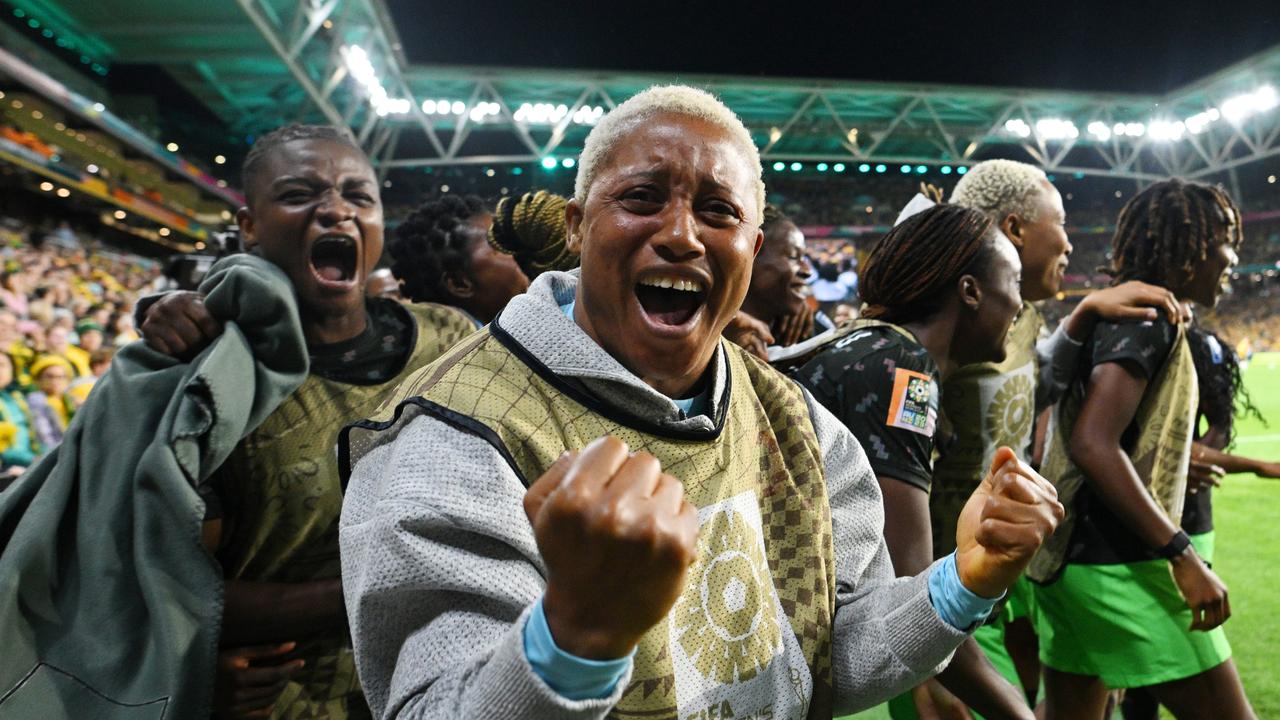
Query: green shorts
x=1125, y=624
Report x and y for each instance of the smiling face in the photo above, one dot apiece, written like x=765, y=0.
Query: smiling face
x=315, y=213
x=667, y=234
x=779, y=274
x=993, y=307
x=1044, y=246
x=1212, y=276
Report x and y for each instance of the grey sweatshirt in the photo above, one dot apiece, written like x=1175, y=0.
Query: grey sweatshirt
x=440, y=566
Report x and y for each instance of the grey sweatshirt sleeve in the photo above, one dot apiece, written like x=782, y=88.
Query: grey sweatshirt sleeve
x=439, y=570
x=887, y=635
x=1058, y=357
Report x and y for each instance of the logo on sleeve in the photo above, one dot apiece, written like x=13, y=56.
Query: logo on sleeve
x=914, y=404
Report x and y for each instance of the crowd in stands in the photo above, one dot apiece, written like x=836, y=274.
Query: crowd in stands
x=63, y=312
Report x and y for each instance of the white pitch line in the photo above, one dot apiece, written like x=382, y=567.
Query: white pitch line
x=1274, y=437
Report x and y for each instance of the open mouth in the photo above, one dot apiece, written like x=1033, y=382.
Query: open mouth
x=670, y=301
x=333, y=260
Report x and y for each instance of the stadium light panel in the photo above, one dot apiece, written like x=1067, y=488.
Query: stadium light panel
x=881, y=168
x=921, y=169
x=1166, y=130
x=1099, y=130
x=962, y=170
x=517, y=171
x=220, y=159
x=796, y=167
x=838, y=167
x=1018, y=127
x=906, y=169
x=945, y=170
x=864, y=168
x=1240, y=107
x=779, y=166
x=1201, y=121
x=1056, y=129
x=120, y=214
x=822, y=167
x=549, y=163
x=568, y=162
x=171, y=147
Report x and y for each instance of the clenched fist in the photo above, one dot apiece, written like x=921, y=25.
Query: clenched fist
x=1003, y=524
x=179, y=325
x=617, y=537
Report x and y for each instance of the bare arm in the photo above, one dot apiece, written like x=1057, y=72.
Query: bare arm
x=256, y=613
x=1111, y=400
x=1235, y=463
x=970, y=675
x=266, y=612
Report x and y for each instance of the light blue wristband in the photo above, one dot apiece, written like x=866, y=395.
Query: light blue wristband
x=572, y=677
x=956, y=604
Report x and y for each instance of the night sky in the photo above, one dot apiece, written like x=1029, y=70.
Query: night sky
x=1121, y=46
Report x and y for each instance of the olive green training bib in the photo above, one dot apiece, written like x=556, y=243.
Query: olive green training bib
x=751, y=633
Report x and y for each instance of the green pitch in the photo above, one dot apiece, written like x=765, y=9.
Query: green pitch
x=1247, y=519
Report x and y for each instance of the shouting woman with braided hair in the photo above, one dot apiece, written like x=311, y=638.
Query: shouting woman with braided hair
x=941, y=291
x=441, y=254
x=1127, y=600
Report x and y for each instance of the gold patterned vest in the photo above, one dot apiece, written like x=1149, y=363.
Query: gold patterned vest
x=750, y=635
x=283, y=496
x=1161, y=453
x=984, y=406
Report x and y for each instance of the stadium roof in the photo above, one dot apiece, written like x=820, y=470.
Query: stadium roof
x=259, y=63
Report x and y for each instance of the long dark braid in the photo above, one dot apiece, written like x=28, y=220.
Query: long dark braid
x=1166, y=229
x=433, y=242
x=912, y=266
x=1222, y=390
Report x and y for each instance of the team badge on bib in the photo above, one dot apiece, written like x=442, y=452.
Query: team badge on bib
x=914, y=403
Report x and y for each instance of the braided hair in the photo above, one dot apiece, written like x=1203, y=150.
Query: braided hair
x=910, y=269
x=1222, y=390
x=1165, y=230
x=432, y=243
x=532, y=229
x=268, y=143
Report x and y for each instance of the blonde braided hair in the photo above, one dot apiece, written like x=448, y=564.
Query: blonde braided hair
x=532, y=229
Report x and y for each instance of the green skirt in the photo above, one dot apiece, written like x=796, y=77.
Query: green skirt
x=1126, y=624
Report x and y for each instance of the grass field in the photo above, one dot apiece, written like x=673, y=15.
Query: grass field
x=1248, y=548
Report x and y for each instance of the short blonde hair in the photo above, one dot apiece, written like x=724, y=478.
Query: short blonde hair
x=658, y=100
x=1001, y=188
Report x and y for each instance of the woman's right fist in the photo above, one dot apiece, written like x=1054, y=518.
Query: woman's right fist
x=617, y=537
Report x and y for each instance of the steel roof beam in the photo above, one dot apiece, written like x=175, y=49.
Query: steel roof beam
x=254, y=10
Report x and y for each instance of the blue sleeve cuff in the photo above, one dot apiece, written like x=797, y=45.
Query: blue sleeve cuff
x=572, y=677
x=956, y=604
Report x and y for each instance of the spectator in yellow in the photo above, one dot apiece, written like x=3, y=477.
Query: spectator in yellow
x=58, y=342
x=51, y=408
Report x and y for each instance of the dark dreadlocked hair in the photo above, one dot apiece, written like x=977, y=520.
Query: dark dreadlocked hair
x=433, y=242
x=268, y=143
x=913, y=265
x=1222, y=390
x=1169, y=227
